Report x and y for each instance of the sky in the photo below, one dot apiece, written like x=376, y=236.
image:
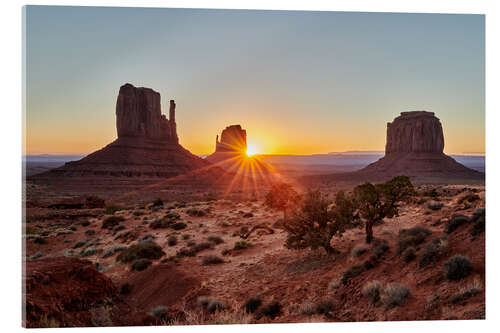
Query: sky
x=299, y=82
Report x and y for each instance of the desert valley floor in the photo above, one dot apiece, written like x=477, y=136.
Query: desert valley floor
x=210, y=262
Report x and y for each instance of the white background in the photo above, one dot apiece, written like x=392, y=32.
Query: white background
x=11, y=141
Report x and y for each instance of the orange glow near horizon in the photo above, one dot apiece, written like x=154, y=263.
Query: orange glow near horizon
x=252, y=150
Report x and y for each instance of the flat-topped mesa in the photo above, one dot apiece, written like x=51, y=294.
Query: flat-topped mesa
x=233, y=139
x=138, y=114
x=415, y=132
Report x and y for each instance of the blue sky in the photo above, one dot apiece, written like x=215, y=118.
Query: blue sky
x=300, y=82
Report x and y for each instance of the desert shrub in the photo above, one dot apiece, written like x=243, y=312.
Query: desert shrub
x=186, y=236
x=185, y=252
x=430, y=193
x=252, y=304
x=432, y=251
x=118, y=228
x=271, y=310
x=172, y=215
x=111, y=209
x=434, y=205
x=371, y=290
x=479, y=222
x=411, y=237
x=157, y=203
x=191, y=243
x=359, y=249
x=242, y=244
x=466, y=292
x=195, y=212
x=46, y=322
x=143, y=250
x=160, y=312
x=90, y=251
x=457, y=267
x=138, y=213
x=112, y=250
x=378, y=250
x=455, y=222
x=215, y=239
x=203, y=301
x=85, y=223
x=172, y=241
x=211, y=260
x=161, y=223
x=409, y=254
x=40, y=240
x=201, y=246
x=225, y=252
x=468, y=198
x=214, y=305
x=141, y=264
x=30, y=230
x=324, y=307
x=111, y=221
x=395, y=294
x=125, y=288
x=352, y=272
x=179, y=226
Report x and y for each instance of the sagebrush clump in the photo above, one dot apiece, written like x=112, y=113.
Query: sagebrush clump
x=371, y=290
x=395, y=294
x=143, y=250
x=112, y=221
x=457, y=267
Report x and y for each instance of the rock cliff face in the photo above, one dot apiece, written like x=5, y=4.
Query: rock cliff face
x=417, y=131
x=147, y=143
x=138, y=114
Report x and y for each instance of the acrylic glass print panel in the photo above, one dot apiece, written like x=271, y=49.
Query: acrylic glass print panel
x=198, y=166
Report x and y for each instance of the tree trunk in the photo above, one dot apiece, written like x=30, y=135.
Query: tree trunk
x=369, y=232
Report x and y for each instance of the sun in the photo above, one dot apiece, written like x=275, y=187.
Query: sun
x=251, y=150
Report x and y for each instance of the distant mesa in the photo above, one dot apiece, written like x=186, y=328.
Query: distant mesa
x=147, y=143
x=414, y=147
x=232, y=144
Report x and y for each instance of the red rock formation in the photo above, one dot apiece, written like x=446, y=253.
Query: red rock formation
x=232, y=144
x=71, y=292
x=417, y=131
x=414, y=147
x=147, y=143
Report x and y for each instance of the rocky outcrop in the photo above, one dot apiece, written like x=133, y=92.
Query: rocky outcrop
x=232, y=144
x=414, y=147
x=69, y=292
x=416, y=131
x=147, y=143
x=232, y=139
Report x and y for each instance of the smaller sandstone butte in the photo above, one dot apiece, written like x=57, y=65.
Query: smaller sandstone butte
x=232, y=139
x=147, y=143
x=414, y=147
x=232, y=144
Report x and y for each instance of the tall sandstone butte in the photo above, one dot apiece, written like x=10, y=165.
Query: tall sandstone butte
x=414, y=147
x=147, y=143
